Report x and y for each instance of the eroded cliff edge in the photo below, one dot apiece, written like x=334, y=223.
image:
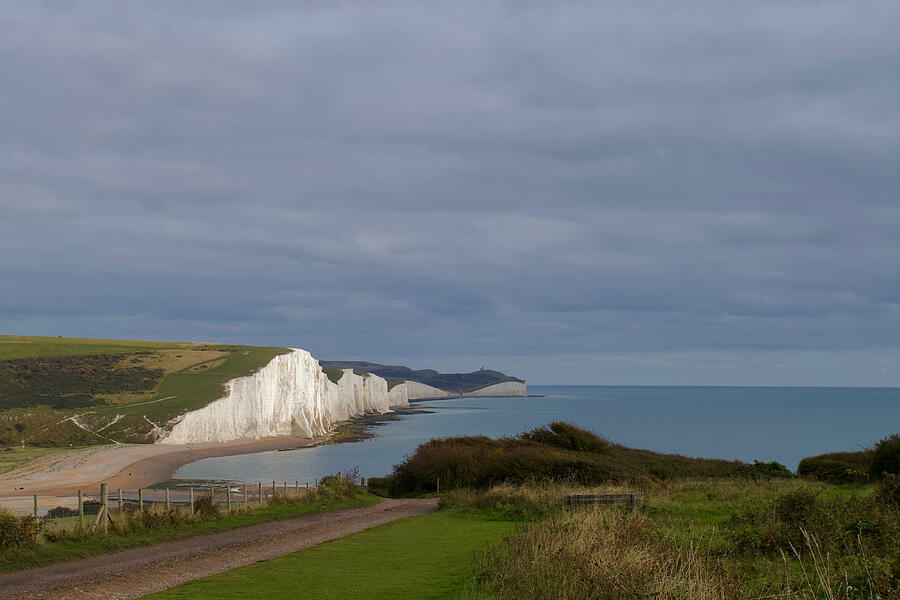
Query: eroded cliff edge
x=289, y=396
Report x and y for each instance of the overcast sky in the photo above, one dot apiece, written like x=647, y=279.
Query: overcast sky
x=688, y=193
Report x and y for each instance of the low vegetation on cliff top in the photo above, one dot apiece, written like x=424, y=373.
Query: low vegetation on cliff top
x=78, y=392
x=560, y=452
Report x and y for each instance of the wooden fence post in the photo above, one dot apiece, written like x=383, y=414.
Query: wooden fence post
x=228, y=496
x=141, y=499
x=245, y=495
x=192, y=501
x=273, y=488
x=297, y=487
x=439, y=485
x=104, y=507
x=120, y=500
x=168, y=504
x=285, y=488
x=307, y=487
x=259, y=492
x=35, y=507
x=81, y=509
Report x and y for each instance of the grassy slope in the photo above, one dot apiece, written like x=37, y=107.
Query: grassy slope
x=59, y=551
x=424, y=557
x=21, y=346
x=188, y=388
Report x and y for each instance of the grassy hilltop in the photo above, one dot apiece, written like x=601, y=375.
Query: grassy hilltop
x=76, y=391
x=459, y=383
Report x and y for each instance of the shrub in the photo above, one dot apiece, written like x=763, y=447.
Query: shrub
x=567, y=436
x=17, y=532
x=840, y=525
x=61, y=511
x=206, y=506
x=343, y=485
x=543, y=453
x=156, y=517
x=837, y=467
x=888, y=490
x=764, y=471
x=886, y=456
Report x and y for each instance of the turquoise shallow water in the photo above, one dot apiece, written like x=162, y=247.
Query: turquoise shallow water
x=745, y=423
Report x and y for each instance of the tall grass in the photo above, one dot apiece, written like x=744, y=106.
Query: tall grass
x=599, y=554
x=723, y=539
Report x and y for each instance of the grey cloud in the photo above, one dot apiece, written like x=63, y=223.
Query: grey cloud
x=507, y=182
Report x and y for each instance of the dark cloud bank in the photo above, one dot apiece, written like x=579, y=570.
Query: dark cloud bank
x=584, y=192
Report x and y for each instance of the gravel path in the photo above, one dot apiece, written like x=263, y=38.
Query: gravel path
x=138, y=571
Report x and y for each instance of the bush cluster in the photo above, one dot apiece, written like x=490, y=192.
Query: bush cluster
x=855, y=532
x=558, y=452
x=886, y=457
x=18, y=532
x=567, y=436
x=837, y=467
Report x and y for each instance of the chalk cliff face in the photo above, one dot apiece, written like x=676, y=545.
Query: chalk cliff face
x=420, y=391
x=505, y=388
x=399, y=395
x=289, y=396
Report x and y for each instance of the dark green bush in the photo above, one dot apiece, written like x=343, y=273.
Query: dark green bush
x=888, y=490
x=59, y=512
x=567, y=436
x=17, y=532
x=837, y=467
x=886, y=457
x=764, y=471
x=542, y=454
x=839, y=525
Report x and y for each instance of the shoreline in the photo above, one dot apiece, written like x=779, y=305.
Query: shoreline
x=123, y=466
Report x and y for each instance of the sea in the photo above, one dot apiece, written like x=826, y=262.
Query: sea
x=782, y=424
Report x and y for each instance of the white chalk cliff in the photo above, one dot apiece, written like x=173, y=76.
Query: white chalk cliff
x=420, y=391
x=289, y=396
x=502, y=389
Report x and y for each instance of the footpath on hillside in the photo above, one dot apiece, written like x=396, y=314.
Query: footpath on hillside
x=139, y=571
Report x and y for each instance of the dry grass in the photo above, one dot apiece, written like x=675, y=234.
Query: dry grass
x=532, y=500
x=690, y=541
x=169, y=361
x=600, y=554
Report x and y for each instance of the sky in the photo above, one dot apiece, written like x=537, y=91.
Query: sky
x=700, y=193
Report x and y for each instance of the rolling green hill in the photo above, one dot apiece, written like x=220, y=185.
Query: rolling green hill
x=451, y=382
x=75, y=391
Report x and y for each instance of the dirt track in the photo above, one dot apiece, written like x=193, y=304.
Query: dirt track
x=127, y=574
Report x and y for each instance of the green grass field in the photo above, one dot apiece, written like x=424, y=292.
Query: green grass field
x=21, y=346
x=423, y=557
x=114, y=387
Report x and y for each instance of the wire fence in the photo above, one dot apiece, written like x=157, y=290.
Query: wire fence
x=93, y=509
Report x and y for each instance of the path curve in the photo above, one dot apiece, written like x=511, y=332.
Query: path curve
x=127, y=574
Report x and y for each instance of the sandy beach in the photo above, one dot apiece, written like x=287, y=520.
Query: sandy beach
x=58, y=477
